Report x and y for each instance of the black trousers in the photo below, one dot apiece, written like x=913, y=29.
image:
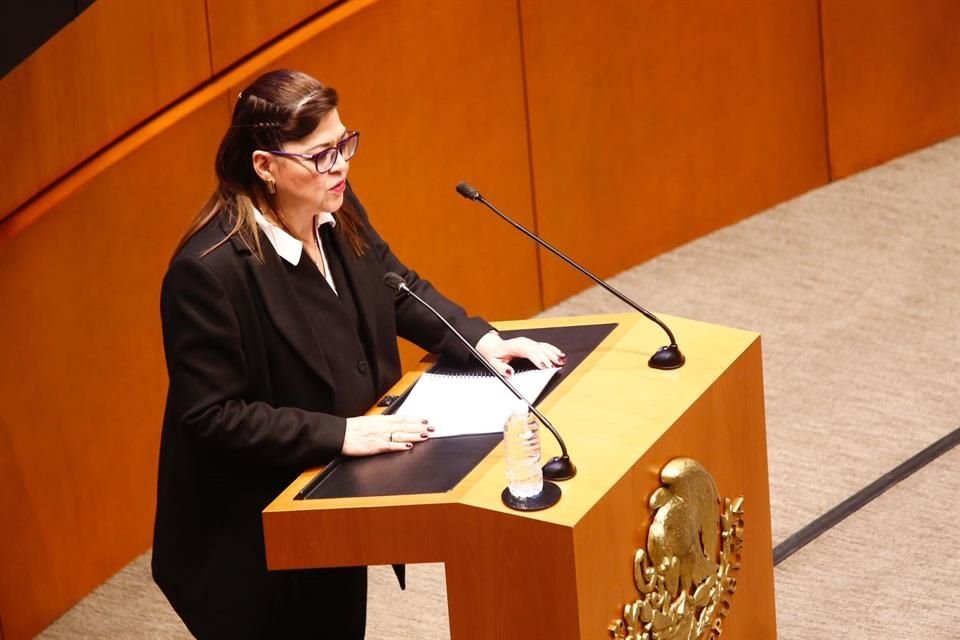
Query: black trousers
x=314, y=604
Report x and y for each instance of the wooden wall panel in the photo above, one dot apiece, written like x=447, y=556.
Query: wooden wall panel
x=238, y=27
x=437, y=104
x=82, y=380
x=653, y=123
x=113, y=66
x=82, y=385
x=892, y=70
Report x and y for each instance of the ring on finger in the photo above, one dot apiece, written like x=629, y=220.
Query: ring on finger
x=391, y=436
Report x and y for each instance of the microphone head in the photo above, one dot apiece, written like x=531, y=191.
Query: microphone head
x=393, y=281
x=467, y=191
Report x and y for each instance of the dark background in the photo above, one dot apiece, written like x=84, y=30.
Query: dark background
x=27, y=24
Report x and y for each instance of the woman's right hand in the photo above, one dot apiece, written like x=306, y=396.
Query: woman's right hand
x=368, y=435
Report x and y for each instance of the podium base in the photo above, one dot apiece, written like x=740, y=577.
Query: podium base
x=543, y=500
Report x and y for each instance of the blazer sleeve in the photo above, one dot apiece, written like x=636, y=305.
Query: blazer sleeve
x=416, y=323
x=209, y=380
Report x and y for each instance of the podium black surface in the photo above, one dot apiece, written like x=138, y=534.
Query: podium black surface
x=439, y=464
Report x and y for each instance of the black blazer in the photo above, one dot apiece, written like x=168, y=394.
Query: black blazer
x=256, y=395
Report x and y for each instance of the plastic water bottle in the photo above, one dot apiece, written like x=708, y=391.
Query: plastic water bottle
x=521, y=437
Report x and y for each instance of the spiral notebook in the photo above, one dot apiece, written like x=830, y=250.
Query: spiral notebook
x=459, y=403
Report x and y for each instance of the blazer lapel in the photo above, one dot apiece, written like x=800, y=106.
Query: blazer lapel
x=286, y=313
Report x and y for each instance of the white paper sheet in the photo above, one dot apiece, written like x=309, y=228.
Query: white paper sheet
x=462, y=404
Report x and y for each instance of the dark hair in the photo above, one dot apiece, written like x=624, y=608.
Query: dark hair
x=280, y=106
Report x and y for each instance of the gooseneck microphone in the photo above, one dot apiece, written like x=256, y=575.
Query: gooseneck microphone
x=559, y=467
x=666, y=357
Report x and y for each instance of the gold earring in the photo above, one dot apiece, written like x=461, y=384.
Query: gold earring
x=271, y=186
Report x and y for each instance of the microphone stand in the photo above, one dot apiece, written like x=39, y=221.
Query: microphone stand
x=666, y=357
x=558, y=468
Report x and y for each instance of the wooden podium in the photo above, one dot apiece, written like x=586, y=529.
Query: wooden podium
x=568, y=571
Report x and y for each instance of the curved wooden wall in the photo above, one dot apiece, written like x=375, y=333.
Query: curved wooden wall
x=619, y=132
x=892, y=72
x=82, y=376
x=108, y=70
x=81, y=394
x=237, y=27
x=694, y=115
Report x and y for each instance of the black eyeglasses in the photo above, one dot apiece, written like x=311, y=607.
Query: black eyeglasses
x=324, y=159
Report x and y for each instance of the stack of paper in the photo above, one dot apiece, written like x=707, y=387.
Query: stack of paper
x=469, y=403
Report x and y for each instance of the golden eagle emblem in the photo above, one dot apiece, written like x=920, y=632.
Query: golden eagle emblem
x=686, y=575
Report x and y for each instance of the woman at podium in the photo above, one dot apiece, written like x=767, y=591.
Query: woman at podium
x=279, y=334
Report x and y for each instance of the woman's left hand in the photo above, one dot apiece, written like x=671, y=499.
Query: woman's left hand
x=500, y=352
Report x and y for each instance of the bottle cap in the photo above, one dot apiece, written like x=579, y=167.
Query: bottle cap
x=518, y=407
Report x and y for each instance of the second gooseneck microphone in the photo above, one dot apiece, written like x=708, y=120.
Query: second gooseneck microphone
x=666, y=357
x=559, y=467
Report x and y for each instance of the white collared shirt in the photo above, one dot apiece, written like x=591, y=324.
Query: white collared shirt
x=290, y=248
